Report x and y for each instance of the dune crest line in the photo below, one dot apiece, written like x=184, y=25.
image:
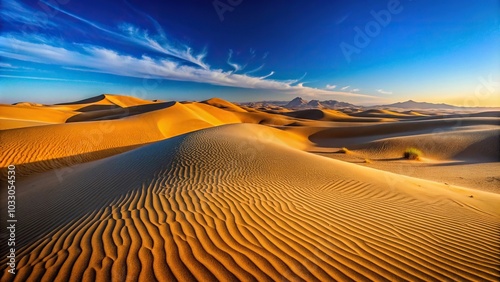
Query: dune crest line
x=189, y=213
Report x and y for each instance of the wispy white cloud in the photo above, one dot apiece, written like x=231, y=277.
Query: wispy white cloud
x=266, y=76
x=160, y=44
x=331, y=87
x=142, y=37
x=293, y=81
x=234, y=65
x=255, y=70
x=97, y=59
x=16, y=12
x=355, y=90
x=10, y=68
x=345, y=87
x=51, y=79
x=165, y=58
x=7, y=66
x=381, y=91
x=302, y=77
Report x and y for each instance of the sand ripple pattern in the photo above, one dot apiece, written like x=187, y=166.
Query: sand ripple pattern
x=220, y=205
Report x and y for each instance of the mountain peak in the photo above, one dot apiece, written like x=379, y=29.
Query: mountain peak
x=315, y=104
x=296, y=102
x=300, y=104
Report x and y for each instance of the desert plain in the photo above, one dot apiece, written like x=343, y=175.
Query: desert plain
x=117, y=188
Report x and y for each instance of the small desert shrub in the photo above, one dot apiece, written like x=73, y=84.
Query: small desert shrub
x=344, y=150
x=412, y=154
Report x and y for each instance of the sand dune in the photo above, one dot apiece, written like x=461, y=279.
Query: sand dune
x=17, y=116
x=414, y=113
x=109, y=100
x=118, y=188
x=219, y=103
x=332, y=115
x=474, y=145
x=382, y=114
x=8, y=123
x=316, y=114
x=93, y=140
x=104, y=106
x=217, y=204
x=395, y=129
x=102, y=112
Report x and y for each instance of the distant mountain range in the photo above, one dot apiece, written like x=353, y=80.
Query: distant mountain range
x=410, y=104
x=299, y=104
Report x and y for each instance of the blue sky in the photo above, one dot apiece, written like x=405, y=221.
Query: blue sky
x=364, y=52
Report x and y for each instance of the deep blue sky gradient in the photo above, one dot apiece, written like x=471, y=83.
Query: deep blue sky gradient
x=437, y=51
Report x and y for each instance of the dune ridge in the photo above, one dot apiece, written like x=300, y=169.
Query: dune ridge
x=216, y=204
x=91, y=140
x=115, y=187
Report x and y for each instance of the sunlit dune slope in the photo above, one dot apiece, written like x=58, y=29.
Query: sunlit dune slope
x=236, y=202
x=219, y=103
x=104, y=106
x=106, y=125
x=32, y=114
x=61, y=145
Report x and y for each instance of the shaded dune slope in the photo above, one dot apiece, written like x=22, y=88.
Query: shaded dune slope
x=91, y=140
x=474, y=139
x=109, y=99
x=471, y=145
x=96, y=112
x=381, y=114
x=331, y=115
x=402, y=128
x=218, y=204
x=105, y=106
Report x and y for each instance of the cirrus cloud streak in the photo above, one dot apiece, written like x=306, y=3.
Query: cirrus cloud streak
x=93, y=58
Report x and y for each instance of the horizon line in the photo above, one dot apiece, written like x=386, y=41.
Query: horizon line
x=256, y=101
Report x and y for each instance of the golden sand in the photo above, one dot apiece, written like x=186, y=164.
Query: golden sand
x=211, y=191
